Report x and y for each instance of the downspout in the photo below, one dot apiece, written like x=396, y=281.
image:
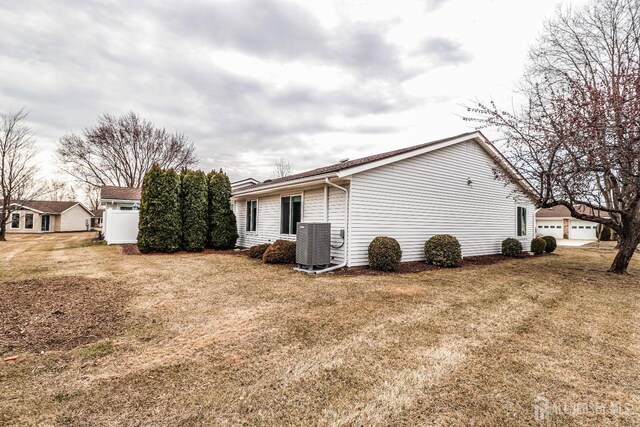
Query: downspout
x=346, y=233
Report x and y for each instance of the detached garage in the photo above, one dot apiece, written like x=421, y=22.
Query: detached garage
x=557, y=222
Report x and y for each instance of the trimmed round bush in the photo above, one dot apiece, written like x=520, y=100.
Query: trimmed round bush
x=443, y=250
x=538, y=245
x=606, y=235
x=511, y=247
x=257, y=251
x=280, y=252
x=384, y=253
x=551, y=244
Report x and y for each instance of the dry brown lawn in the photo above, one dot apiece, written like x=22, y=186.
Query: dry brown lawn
x=218, y=339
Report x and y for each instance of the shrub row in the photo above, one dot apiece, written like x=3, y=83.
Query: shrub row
x=189, y=211
x=279, y=252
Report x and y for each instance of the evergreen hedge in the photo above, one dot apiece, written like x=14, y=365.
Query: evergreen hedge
x=223, y=230
x=194, y=207
x=160, y=225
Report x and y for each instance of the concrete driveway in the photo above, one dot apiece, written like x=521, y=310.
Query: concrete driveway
x=573, y=243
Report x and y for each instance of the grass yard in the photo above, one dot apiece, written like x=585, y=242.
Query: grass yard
x=104, y=338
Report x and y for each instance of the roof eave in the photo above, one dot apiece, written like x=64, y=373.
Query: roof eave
x=302, y=182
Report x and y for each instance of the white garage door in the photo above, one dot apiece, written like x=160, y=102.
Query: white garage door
x=582, y=230
x=550, y=228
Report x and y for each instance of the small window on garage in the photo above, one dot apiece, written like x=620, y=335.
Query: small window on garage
x=574, y=227
x=581, y=227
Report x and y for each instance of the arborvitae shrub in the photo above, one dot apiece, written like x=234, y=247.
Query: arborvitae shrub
x=511, y=247
x=257, y=251
x=280, y=252
x=223, y=230
x=194, y=207
x=538, y=245
x=443, y=250
x=606, y=234
x=551, y=244
x=160, y=225
x=384, y=253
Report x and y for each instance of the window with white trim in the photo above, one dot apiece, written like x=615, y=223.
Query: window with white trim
x=252, y=215
x=290, y=214
x=521, y=221
x=28, y=221
x=15, y=220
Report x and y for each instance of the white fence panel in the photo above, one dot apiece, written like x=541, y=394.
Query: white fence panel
x=120, y=226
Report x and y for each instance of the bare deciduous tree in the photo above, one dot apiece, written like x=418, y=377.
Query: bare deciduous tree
x=120, y=150
x=282, y=168
x=58, y=190
x=577, y=138
x=92, y=196
x=17, y=166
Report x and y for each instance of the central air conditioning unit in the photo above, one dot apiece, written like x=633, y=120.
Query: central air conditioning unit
x=313, y=245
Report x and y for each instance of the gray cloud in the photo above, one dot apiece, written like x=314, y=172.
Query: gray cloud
x=444, y=51
x=432, y=5
x=70, y=62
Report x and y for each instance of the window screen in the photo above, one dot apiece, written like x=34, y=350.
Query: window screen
x=252, y=215
x=15, y=220
x=521, y=224
x=290, y=214
x=28, y=221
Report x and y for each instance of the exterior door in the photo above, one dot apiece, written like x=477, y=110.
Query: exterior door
x=45, y=222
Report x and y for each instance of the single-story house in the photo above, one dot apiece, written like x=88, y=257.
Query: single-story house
x=558, y=222
x=96, y=220
x=45, y=216
x=120, y=198
x=447, y=186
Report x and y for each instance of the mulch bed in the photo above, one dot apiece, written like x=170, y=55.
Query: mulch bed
x=58, y=313
x=132, y=249
x=420, y=266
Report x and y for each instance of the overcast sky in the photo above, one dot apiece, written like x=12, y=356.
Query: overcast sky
x=250, y=81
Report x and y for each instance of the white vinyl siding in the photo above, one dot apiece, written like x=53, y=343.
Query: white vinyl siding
x=414, y=199
x=73, y=219
x=313, y=205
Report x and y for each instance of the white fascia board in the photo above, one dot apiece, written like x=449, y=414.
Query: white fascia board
x=382, y=162
x=26, y=208
x=81, y=205
x=297, y=183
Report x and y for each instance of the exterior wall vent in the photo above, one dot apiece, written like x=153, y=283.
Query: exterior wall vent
x=313, y=245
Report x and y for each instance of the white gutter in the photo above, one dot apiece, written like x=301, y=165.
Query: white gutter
x=346, y=233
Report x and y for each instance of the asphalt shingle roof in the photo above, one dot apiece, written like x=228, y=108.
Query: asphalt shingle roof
x=120, y=193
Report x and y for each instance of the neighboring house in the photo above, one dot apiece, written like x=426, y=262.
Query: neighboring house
x=243, y=183
x=44, y=216
x=96, y=219
x=120, y=198
x=441, y=187
x=557, y=222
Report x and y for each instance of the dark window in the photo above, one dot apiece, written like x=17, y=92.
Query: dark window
x=546, y=226
x=574, y=226
x=290, y=214
x=28, y=221
x=581, y=227
x=126, y=208
x=15, y=220
x=252, y=215
x=521, y=224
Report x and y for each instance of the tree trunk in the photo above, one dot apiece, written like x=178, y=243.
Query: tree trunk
x=626, y=249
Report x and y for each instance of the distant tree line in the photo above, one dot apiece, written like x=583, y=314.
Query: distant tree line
x=188, y=211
